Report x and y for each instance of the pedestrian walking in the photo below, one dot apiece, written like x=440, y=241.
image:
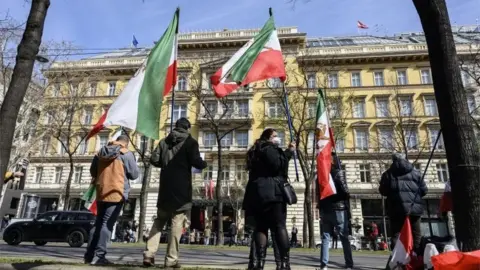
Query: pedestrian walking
x=206, y=235
x=404, y=188
x=192, y=237
x=374, y=235
x=334, y=238
x=267, y=164
x=111, y=169
x=175, y=155
x=334, y=216
x=294, y=240
x=232, y=234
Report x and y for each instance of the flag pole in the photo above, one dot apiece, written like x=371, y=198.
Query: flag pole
x=175, y=81
x=290, y=128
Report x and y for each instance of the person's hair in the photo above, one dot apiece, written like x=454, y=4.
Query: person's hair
x=183, y=123
x=252, y=152
x=122, y=138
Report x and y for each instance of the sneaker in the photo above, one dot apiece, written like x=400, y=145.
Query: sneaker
x=101, y=261
x=147, y=261
x=324, y=268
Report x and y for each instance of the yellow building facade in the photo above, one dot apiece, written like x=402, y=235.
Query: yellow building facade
x=380, y=100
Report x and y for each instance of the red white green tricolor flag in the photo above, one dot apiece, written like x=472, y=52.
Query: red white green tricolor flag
x=139, y=105
x=90, y=198
x=324, y=139
x=260, y=59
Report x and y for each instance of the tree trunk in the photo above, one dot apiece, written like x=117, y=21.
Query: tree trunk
x=305, y=226
x=68, y=185
x=143, y=198
x=462, y=152
x=21, y=76
x=218, y=191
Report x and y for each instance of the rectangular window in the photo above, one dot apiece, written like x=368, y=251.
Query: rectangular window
x=228, y=108
x=359, y=108
x=275, y=109
x=356, y=79
x=82, y=147
x=62, y=146
x=361, y=139
x=241, y=174
x=77, y=174
x=211, y=108
x=45, y=145
x=411, y=139
x=378, y=78
x=112, y=87
x=56, y=90
x=402, y=77
x=333, y=80
x=385, y=137
x=334, y=111
x=433, y=138
x=38, y=174
x=281, y=135
x=340, y=145
x=312, y=109
x=382, y=107
x=472, y=105
x=311, y=80
x=181, y=83
x=14, y=203
x=442, y=172
x=87, y=116
x=405, y=106
x=242, y=108
x=274, y=83
x=74, y=87
x=226, y=141
x=92, y=89
x=241, y=138
x=365, y=176
x=430, y=106
x=209, y=139
x=225, y=174
x=426, y=76
x=103, y=140
x=208, y=173
x=58, y=174
x=179, y=111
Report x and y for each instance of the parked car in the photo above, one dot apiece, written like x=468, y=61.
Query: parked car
x=54, y=226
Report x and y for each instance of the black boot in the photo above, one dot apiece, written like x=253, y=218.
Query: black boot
x=260, y=259
x=279, y=265
x=285, y=264
x=253, y=256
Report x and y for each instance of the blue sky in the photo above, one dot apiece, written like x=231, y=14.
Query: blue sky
x=111, y=23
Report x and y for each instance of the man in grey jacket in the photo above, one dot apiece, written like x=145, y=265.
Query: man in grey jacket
x=176, y=155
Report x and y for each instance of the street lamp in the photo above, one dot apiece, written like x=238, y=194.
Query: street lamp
x=41, y=59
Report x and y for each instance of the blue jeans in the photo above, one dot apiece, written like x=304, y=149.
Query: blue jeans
x=107, y=214
x=339, y=220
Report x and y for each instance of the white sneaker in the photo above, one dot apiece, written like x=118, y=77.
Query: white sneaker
x=324, y=268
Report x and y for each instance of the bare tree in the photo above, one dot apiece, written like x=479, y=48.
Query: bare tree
x=28, y=49
x=68, y=116
x=220, y=117
x=470, y=66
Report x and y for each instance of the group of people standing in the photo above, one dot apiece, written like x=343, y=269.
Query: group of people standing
x=264, y=201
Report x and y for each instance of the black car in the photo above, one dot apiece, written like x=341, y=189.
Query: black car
x=54, y=226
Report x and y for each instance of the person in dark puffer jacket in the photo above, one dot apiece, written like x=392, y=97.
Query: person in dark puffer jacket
x=399, y=184
x=334, y=214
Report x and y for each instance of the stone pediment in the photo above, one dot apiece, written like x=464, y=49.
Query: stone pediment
x=385, y=123
x=361, y=124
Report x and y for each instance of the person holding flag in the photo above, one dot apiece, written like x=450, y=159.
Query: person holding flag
x=111, y=169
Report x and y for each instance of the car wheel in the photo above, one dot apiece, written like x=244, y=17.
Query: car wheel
x=353, y=247
x=13, y=237
x=40, y=243
x=75, y=238
x=318, y=245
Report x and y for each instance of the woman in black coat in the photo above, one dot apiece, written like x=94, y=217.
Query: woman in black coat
x=268, y=165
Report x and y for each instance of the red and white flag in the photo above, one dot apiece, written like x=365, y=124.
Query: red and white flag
x=402, y=252
x=361, y=25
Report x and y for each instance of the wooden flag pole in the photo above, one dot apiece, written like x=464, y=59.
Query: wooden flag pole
x=290, y=127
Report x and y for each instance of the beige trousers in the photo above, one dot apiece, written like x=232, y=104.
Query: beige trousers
x=173, y=246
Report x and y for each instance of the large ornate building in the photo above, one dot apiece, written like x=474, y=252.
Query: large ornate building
x=380, y=97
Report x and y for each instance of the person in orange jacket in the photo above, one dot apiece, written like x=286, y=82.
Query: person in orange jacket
x=11, y=175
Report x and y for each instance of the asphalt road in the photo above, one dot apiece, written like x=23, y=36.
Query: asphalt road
x=233, y=258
